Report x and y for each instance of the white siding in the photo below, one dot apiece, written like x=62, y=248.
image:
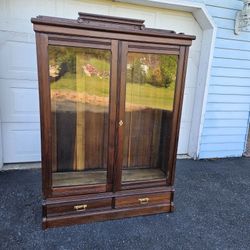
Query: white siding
x=228, y=100
x=18, y=76
x=227, y=114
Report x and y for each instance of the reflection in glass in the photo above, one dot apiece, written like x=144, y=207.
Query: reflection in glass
x=79, y=84
x=150, y=85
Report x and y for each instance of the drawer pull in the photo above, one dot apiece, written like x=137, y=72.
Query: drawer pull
x=143, y=201
x=80, y=207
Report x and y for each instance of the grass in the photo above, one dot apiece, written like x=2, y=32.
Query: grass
x=150, y=96
x=141, y=94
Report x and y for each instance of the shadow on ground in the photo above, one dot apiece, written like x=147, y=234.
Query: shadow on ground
x=212, y=212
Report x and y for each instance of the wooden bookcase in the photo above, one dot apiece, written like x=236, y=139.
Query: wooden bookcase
x=111, y=96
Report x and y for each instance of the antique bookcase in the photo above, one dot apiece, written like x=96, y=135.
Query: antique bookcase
x=111, y=96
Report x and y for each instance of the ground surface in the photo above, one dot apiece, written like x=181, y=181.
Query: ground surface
x=213, y=212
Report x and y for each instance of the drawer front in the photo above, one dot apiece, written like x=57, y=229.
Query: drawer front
x=79, y=206
x=142, y=200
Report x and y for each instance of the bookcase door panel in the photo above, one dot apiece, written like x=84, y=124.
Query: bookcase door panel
x=80, y=97
x=148, y=110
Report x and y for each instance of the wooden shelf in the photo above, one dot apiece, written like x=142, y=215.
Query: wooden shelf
x=142, y=174
x=79, y=178
x=99, y=176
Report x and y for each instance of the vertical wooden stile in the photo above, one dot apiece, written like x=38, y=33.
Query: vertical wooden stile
x=45, y=108
x=80, y=117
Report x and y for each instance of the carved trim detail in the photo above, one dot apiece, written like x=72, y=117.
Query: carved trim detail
x=110, y=21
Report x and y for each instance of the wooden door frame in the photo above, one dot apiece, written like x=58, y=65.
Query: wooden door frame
x=118, y=31
x=43, y=40
x=182, y=53
x=123, y=50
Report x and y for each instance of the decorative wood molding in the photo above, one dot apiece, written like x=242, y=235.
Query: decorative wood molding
x=110, y=21
x=1, y=148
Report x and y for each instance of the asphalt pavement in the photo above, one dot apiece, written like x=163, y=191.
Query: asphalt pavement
x=212, y=212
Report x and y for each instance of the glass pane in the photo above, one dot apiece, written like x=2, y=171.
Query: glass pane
x=150, y=86
x=79, y=83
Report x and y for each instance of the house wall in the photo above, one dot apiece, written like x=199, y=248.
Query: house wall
x=226, y=120
x=227, y=111
x=18, y=74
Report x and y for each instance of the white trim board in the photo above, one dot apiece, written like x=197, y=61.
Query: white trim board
x=201, y=15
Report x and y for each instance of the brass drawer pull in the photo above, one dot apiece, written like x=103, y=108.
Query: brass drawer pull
x=80, y=207
x=143, y=201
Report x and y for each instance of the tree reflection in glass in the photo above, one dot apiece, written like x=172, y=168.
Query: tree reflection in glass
x=150, y=85
x=79, y=83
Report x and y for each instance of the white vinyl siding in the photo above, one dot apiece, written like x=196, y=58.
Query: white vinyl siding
x=228, y=105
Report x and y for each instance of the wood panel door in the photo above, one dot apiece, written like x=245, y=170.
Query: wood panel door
x=81, y=87
x=146, y=109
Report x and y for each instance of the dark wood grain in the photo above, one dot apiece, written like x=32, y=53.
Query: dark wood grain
x=112, y=116
x=70, y=207
x=45, y=107
x=175, y=127
x=144, y=184
x=67, y=220
x=137, y=200
x=82, y=189
x=62, y=22
x=184, y=71
x=122, y=54
x=151, y=135
x=110, y=21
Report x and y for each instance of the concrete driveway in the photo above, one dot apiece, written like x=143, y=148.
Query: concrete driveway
x=212, y=212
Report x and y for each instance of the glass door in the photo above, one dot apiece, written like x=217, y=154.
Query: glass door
x=146, y=112
x=80, y=92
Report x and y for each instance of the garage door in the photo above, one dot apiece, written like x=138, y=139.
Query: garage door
x=18, y=86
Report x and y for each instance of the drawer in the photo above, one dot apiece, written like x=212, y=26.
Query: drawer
x=142, y=200
x=79, y=206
